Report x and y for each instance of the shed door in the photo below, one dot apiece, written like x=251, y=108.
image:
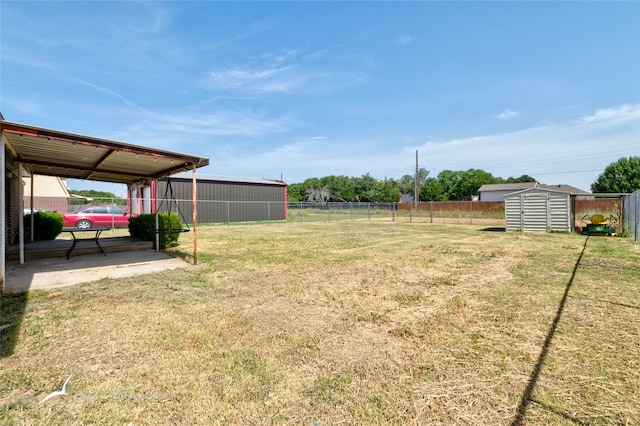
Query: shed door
x=535, y=212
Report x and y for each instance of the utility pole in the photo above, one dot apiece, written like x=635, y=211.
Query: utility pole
x=417, y=183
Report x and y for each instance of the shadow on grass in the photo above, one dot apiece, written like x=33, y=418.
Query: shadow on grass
x=560, y=413
x=496, y=229
x=527, y=396
x=12, y=308
x=624, y=305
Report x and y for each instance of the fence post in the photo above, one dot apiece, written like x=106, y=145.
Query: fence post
x=471, y=212
x=431, y=211
x=269, y=212
x=393, y=212
x=636, y=217
x=369, y=209
x=228, y=214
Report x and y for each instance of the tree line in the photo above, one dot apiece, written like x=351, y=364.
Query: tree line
x=622, y=176
x=99, y=197
x=448, y=185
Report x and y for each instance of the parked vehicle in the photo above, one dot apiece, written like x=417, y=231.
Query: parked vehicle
x=92, y=216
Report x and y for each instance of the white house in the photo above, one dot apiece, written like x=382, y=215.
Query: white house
x=46, y=193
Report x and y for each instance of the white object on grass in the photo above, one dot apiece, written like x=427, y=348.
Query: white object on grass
x=60, y=392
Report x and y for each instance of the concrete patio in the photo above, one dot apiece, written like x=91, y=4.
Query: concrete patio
x=46, y=266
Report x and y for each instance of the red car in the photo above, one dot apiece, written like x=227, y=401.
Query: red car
x=96, y=216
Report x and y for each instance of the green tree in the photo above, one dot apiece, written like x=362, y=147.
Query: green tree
x=473, y=179
x=342, y=188
x=451, y=182
x=365, y=187
x=621, y=176
x=521, y=179
x=386, y=191
x=407, y=183
x=98, y=197
x=461, y=184
x=296, y=192
x=432, y=190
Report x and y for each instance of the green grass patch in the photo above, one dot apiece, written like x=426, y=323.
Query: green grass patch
x=351, y=321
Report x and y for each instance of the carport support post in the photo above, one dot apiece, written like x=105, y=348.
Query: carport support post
x=21, y=215
x=195, y=218
x=157, y=233
x=32, y=216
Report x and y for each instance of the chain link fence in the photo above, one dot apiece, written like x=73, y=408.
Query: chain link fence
x=631, y=216
x=454, y=212
x=466, y=212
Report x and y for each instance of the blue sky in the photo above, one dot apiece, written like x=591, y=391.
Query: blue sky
x=310, y=89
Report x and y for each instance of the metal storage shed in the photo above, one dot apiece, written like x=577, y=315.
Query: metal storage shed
x=539, y=210
x=226, y=199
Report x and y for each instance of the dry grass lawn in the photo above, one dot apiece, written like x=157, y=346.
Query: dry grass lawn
x=340, y=323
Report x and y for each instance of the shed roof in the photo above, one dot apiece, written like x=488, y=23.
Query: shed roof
x=507, y=186
x=502, y=187
x=563, y=188
x=230, y=179
x=537, y=189
x=55, y=153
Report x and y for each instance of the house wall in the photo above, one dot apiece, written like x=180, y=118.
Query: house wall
x=56, y=204
x=12, y=200
x=494, y=195
x=220, y=201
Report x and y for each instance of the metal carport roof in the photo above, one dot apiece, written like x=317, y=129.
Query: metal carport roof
x=49, y=152
x=55, y=153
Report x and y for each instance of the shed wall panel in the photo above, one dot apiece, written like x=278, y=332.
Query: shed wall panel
x=513, y=213
x=560, y=212
x=535, y=209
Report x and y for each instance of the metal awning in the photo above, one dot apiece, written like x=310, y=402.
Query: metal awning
x=55, y=153
x=49, y=152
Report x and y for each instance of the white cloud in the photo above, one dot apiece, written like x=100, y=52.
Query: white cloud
x=573, y=153
x=260, y=79
x=621, y=113
x=403, y=40
x=287, y=71
x=507, y=114
x=200, y=133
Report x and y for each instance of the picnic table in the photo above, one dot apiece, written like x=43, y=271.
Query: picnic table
x=96, y=238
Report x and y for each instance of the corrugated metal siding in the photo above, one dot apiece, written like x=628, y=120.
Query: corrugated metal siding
x=631, y=216
x=513, y=213
x=220, y=202
x=560, y=212
x=536, y=212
